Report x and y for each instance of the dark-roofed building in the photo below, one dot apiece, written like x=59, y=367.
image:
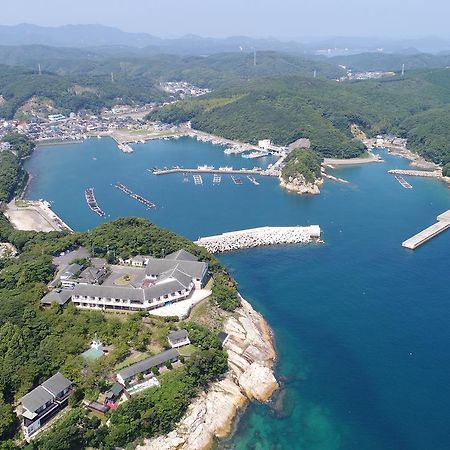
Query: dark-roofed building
x=43, y=403
x=114, y=394
x=92, y=275
x=223, y=337
x=182, y=255
x=69, y=275
x=58, y=296
x=178, y=338
x=144, y=367
x=163, y=282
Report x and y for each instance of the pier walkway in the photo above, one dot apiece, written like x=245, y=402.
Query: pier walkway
x=228, y=171
x=442, y=224
x=257, y=237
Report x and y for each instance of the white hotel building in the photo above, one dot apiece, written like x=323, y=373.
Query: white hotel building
x=165, y=281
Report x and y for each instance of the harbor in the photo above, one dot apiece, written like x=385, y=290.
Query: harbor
x=135, y=196
x=92, y=202
x=258, y=237
x=442, y=224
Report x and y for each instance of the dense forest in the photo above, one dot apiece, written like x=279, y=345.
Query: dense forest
x=72, y=79
x=35, y=343
x=12, y=174
x=287, y=108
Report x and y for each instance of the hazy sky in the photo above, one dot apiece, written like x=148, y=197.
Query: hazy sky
x=277, y=18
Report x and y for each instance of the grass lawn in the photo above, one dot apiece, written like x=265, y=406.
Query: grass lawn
x=187, y=350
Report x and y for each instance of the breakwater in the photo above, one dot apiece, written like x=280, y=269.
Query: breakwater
x=257, y=237
x=442, y=224
x=417, y=173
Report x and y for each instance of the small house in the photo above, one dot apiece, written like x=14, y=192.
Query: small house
x=44, y=402
x=178, y=338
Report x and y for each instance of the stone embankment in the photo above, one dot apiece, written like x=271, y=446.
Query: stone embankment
x=257, y=237
x=417, y=173
x=251, y=356
x=300, y=185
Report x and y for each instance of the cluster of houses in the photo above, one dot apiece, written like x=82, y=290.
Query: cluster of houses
x=153, y=283
x=44, y=402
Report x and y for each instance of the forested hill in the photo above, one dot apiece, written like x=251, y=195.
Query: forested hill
x=286, y=108
x=74, y=79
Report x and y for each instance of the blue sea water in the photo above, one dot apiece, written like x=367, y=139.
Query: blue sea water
x=361, y=324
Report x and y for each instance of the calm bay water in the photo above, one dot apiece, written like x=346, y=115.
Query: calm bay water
x=361, y=324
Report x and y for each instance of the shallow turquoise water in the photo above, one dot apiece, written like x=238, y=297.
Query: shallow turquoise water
x=361, y=324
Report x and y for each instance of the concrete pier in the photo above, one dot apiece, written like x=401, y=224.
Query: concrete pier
x=210, y=170
x=443, y=222
x=257, y=237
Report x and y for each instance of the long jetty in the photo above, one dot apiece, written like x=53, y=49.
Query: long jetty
x=258, y=237
x=442, y=224
x=417, y=173
x=229, y=171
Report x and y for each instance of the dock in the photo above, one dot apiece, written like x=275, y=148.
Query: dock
x=403, y=182
x=220, y=171
x=217, y=179
x=442, y=224
x=135, y=196
x=258, y=237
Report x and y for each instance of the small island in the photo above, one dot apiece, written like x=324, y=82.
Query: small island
x=302, y=172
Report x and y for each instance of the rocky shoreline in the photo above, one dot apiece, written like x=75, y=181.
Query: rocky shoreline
x=251, y=356
x=301, y=186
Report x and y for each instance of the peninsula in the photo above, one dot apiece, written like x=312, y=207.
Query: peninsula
x=120, y=356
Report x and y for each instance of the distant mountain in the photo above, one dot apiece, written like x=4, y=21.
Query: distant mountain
x=72, y=36
x=95, y=36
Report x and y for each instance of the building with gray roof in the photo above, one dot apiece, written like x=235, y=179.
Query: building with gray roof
x=178, y=338
x=144, y=367
x=58, y=296
x=43, y=403
x=162, y=282
x=182, y=255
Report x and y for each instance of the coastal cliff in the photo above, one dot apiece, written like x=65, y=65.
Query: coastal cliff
x=251, y=356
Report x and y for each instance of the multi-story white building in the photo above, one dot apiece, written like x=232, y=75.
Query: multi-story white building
x=165, y=281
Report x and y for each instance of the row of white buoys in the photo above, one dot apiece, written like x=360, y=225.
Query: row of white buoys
x=257, y=237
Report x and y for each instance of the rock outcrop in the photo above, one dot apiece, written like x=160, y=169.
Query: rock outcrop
x=300, y=185
x=251, y=355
